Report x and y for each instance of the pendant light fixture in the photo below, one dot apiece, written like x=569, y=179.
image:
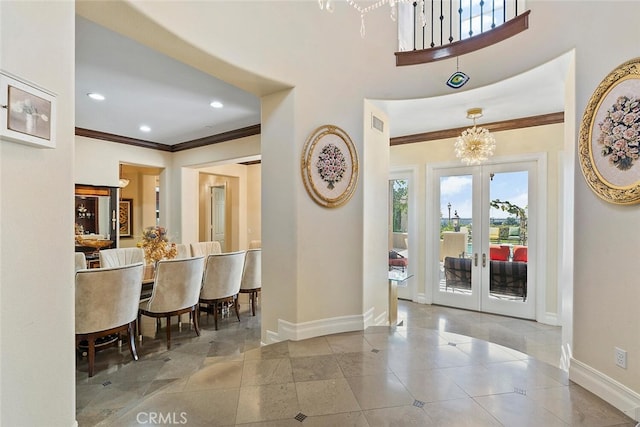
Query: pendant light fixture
x=476, y=144
x=122, y=182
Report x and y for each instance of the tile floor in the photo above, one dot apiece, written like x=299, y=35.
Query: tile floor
x=442, y=367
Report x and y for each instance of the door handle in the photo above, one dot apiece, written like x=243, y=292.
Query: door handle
x=475, y=259
x=484, y=260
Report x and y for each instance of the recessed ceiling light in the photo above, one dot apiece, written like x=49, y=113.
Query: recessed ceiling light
x=145, y=128
x=216, y=104
x=96, y=96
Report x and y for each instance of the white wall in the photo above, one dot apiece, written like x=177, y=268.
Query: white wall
x=254, y=203
x=375, y=262
x=36, y=227
x=97, y=162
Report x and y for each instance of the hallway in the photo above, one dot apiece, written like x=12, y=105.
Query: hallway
x=443, y=367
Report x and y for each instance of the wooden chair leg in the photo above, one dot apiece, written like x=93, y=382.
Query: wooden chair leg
x=132, y=341
x=91, y=353
x=196, y=315
x=236, y=306
x=168, y=332
x=252, y=300
x=215, y=315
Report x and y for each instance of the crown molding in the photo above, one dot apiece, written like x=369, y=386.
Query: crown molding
x=215, y=139
x=187, y=145
x=544, y=119
x=541, y=120
x=121, y=139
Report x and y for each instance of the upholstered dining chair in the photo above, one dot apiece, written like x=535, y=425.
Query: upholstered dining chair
x=252, y=276
x=183, y=251
x=120, y=256
x=107, y=302
x=176, y=290
x=205, y=248
x=221, y=281
x=80, y=261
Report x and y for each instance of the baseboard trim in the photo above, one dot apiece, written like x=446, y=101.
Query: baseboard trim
x=549, y=319
x=608, y=389
x=421, y=298
x=382, y=319
x=316, y=328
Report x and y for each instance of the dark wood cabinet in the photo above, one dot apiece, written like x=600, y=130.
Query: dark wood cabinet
x=86, y=215
x=95, y=217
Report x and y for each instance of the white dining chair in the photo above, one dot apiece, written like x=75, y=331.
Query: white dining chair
x=221, y=282
x=106, y=303
x=252, y=277
x=176, y=291
x=120, y=256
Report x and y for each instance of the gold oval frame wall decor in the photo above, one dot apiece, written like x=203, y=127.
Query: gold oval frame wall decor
x=609, y=140
x=329, y=166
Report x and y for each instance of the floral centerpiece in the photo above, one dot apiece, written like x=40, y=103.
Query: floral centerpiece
x=156, y=245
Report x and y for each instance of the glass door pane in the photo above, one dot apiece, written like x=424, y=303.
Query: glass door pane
x=507, y=290
x=457, y=284
x=399, y=230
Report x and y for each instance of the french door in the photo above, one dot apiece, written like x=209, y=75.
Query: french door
x=485, y=232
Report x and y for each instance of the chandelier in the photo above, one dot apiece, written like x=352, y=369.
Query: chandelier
x=328, y=5
x=122, y=182
x=476, y=144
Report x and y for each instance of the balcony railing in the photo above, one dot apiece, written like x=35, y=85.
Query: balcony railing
x=432, y=30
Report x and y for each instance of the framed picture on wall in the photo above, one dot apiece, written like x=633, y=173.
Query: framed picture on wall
x=27, y=113
x=125, y=218
x=609, y=141
x=330, y=166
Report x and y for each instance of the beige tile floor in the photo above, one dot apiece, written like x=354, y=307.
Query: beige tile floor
x=442, y=367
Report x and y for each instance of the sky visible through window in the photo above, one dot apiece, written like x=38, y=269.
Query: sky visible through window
x=506, y=186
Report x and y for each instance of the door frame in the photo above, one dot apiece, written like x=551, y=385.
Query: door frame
x=432, y=213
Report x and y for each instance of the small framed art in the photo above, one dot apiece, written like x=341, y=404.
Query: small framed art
x=125, y=217
x=27, y=113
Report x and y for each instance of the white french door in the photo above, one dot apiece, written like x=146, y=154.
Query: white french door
x=484, y=224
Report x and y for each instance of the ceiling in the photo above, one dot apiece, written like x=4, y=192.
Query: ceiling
x=144, y=87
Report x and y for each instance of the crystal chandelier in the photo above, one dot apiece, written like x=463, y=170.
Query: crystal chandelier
x=476, y=144
x=328, y=5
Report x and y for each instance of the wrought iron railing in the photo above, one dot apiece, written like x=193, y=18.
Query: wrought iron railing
x=446, y=28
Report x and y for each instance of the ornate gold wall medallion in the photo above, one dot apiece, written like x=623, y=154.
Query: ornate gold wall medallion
x=609, y=140
x=329, y=166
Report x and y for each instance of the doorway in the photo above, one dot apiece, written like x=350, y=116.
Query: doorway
x=486, y=225
x=402, y=229
x=218, y=221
